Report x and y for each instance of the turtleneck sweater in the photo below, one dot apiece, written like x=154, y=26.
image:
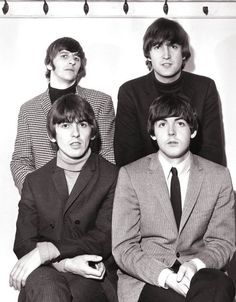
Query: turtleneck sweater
x=55, y=93
x=71, y=167
x=172, y=87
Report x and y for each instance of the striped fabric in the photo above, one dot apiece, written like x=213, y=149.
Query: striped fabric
x=33, y=148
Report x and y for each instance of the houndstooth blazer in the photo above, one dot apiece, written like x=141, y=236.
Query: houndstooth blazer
x=33, y=148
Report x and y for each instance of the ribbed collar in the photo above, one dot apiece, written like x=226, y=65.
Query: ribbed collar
x=55, y=93
x=70, y=164
x=168, y=87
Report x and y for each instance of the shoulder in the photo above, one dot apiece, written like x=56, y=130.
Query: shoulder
x=197, y=79
x=137, y=82
x=210, y=168
x=139, y=166
x=92, y=93
x=34, y=103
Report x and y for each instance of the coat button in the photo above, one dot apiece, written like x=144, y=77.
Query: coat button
x=177, y=254
x=77, y=221
x=52, y=225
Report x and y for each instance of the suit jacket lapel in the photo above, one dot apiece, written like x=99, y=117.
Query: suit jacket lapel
x=82, y=181
x=59, y=181
x=160, y=189
x=196, y=177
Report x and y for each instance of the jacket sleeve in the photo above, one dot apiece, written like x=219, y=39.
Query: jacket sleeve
x=126, y=234
x=106, y=124
x=219, y=238
x=128, y=145
x=27, y=223
x=212, y=134
x=22, y=159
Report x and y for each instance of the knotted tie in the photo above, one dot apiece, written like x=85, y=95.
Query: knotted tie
x=175, y=196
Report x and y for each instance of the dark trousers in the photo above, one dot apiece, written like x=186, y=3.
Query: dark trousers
x=46, y=284
x=207, y=285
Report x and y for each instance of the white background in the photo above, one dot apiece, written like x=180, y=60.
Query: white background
x=112, y=42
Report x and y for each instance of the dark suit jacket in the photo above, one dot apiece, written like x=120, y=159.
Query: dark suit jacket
x=76, y=224
x=132, y=140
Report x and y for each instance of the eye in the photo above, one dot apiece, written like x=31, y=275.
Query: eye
x=161, y=124
x=83, y=124
x=182, y=123
x=65, y=125
x=77, y=58
x=175, y=46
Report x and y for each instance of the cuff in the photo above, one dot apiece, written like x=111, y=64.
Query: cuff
x=199, y=264
x=163, y=277
x=47, y=251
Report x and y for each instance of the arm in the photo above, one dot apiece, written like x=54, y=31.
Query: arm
x=22, y=161
x=106, y=123
x=219, y=238
x=126, y=234
x=212, y=146
x=128, y=145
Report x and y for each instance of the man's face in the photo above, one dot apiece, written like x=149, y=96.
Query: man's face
x=73, y=138
x=66, y=68
x=173, y=137
x=166, y=61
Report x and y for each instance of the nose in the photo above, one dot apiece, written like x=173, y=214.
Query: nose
x=75, y=130
x=166, y=51
x=72, y=60
x=171, y=130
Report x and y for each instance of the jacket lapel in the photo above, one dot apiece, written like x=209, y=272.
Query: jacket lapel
x=59, y=181
x=84, y=178
x=160, y=189
x=194, y=185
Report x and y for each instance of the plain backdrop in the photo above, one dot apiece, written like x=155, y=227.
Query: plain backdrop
x=112, y=42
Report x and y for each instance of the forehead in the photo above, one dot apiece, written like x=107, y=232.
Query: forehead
x=64, y=51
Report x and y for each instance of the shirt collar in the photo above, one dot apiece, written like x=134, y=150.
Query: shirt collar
x=182, y=167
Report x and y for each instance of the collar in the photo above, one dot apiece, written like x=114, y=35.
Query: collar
x=70, y=164
x=182, y=167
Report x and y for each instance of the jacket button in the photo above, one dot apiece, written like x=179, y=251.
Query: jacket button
x=177, y=254
x=52, y=225
x=77, y=221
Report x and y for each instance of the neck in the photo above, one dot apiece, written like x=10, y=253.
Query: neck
x=167, y=80
x=177, y=160
x=72, y=164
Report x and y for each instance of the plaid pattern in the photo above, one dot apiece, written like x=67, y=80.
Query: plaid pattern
x=33, y=148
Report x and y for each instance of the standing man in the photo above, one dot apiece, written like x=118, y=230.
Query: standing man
x=173, y=219
x=166, y=48
x=65, y=65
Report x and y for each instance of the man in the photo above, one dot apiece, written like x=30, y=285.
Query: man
x=63, y=236
x=173, y=217
x=65, y=62
x=166, y=47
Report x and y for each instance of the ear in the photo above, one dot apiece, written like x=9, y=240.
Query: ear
x=153, y=137
x=49, y=67
x=92, y=138
x=194, y=134
x=53, y=140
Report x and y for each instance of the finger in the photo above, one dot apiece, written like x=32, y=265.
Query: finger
x=94, y=258
x=180, y=274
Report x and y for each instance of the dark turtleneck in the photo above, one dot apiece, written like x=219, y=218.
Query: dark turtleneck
x=55, y=93
x=168, y=87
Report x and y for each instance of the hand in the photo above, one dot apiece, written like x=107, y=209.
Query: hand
x=179, y=287
x=186, y=271
x=80, y=265
x=24, y=266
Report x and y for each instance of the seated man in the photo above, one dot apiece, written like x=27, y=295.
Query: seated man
x=173, y=226
x=63, y=236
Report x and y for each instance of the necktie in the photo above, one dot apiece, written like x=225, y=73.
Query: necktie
x=175, y=196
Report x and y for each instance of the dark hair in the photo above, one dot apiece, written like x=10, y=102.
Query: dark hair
x=162, y=30
x=172, y=105
x=70, y=108
x=68, y=44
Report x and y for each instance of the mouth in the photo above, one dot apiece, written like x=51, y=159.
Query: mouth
x=173, y=143
x=75, y=145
